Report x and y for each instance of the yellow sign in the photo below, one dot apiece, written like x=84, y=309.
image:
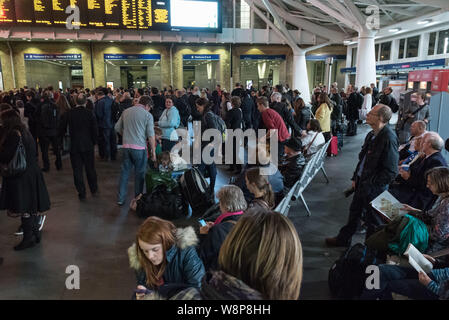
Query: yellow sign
x=161, y=16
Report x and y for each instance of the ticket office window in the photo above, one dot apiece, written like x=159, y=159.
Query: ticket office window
x=262, y=72
x=133, y=73
x=54, y=72
x=201, y=73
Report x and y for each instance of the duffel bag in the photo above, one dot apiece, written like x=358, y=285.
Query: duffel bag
x=164, y=203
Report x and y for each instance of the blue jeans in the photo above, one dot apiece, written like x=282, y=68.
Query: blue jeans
x=138, y=159
x=400, y=280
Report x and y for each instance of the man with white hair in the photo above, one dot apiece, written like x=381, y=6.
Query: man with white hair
x=412, y=189
x=286, y=115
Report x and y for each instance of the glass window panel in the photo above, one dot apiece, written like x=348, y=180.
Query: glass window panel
x=412, y=47
x=401, y=49
x=376, y=51
x=227, y=14
x=432, y=40
x=385, y=50
x=354, y=57
x=443, y=41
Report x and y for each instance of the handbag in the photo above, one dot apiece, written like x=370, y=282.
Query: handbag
x=18, y=163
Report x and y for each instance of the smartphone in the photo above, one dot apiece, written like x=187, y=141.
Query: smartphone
x=202, y=222
x=144, y=291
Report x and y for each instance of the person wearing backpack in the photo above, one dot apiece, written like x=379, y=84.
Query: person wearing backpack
x=209, y=120
x=234, y=121
x=49, y=117
x=387, y=99
x=354, y=103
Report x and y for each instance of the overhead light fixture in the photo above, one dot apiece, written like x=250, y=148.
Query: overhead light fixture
x=346, y=42
x=205, y=42
x=150, y=41
x=24, y=38
x=425, y=21
x=111, y=41
x=187, y=41
x=395, y=30
x=46, y=39
x=89, y=39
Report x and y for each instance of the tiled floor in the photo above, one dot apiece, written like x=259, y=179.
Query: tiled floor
x=95, y=235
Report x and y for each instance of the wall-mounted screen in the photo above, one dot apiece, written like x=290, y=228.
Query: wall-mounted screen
x=194, y=14
x=168, y=15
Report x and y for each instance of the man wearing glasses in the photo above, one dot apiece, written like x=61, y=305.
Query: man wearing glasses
x=376, y=169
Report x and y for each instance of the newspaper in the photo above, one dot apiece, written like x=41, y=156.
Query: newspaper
x=417, y=260
x=388, y=205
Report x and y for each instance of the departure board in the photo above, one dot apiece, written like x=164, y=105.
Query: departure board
x=7, y=14
x=110, y=14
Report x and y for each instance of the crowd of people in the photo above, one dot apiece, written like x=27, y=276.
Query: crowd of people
x=248, y=251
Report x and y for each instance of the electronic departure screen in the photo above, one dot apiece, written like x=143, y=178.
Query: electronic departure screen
x=192, y=15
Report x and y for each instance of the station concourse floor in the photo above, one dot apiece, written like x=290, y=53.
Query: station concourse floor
x=95, y=235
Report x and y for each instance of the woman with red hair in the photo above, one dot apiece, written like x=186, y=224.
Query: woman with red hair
x=165, y=259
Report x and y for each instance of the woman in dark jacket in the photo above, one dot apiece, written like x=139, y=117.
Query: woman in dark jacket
x=234, y=120
x=24, y=195
x=302, y=113
x=207, y=122
x=164, y=258
x=232, y=205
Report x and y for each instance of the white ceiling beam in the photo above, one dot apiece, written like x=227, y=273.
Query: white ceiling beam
x=382, y=8
x=268, y=22
x=325, y=8
x=290, y=40
x=355, y=11
x=442, y=4
x=307, y=25
x=346, y=12
x=399, y=11
x=300, y=6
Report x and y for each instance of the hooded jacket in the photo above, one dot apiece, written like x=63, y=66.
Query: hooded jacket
x=184, y=267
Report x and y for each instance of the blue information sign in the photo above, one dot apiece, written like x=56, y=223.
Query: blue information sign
x=201, y=57
x=132, y=57
x=33, y=56
x=324, y=57
x=404, y=65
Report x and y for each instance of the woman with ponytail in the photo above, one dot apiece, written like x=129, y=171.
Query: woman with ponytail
x=259, y=186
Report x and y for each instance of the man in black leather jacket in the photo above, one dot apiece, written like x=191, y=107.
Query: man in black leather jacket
x=286, y=114
x=291, y=167
x=376, y=169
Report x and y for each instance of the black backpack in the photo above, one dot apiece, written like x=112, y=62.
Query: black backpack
x=196, y=191
x=394, y=105
x=161, y=202
x=347, y=275
x=50, y=116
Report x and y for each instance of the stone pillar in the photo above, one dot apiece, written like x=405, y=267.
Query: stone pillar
x=366, y=59
x=300, y=79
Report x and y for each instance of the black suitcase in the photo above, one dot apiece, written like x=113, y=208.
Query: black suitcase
x=196, y=191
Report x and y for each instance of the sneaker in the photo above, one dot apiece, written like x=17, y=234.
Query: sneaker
x=19, y=231
x=41, y=221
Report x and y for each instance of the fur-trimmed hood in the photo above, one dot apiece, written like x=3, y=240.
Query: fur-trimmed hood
x=185, y=237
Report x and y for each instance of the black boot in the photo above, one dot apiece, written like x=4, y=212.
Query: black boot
x=36, y=232
x=28, y=234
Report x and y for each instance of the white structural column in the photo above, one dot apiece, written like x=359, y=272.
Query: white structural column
x=300, y=77
x=366, y=59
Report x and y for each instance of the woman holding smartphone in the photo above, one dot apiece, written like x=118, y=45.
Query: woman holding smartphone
x=164, y=259
x=232, y=204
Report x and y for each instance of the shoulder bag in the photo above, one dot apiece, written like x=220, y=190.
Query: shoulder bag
x=18, y=163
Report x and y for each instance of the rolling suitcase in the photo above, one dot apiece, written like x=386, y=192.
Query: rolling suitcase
x=332, y=151
x=196, y=191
